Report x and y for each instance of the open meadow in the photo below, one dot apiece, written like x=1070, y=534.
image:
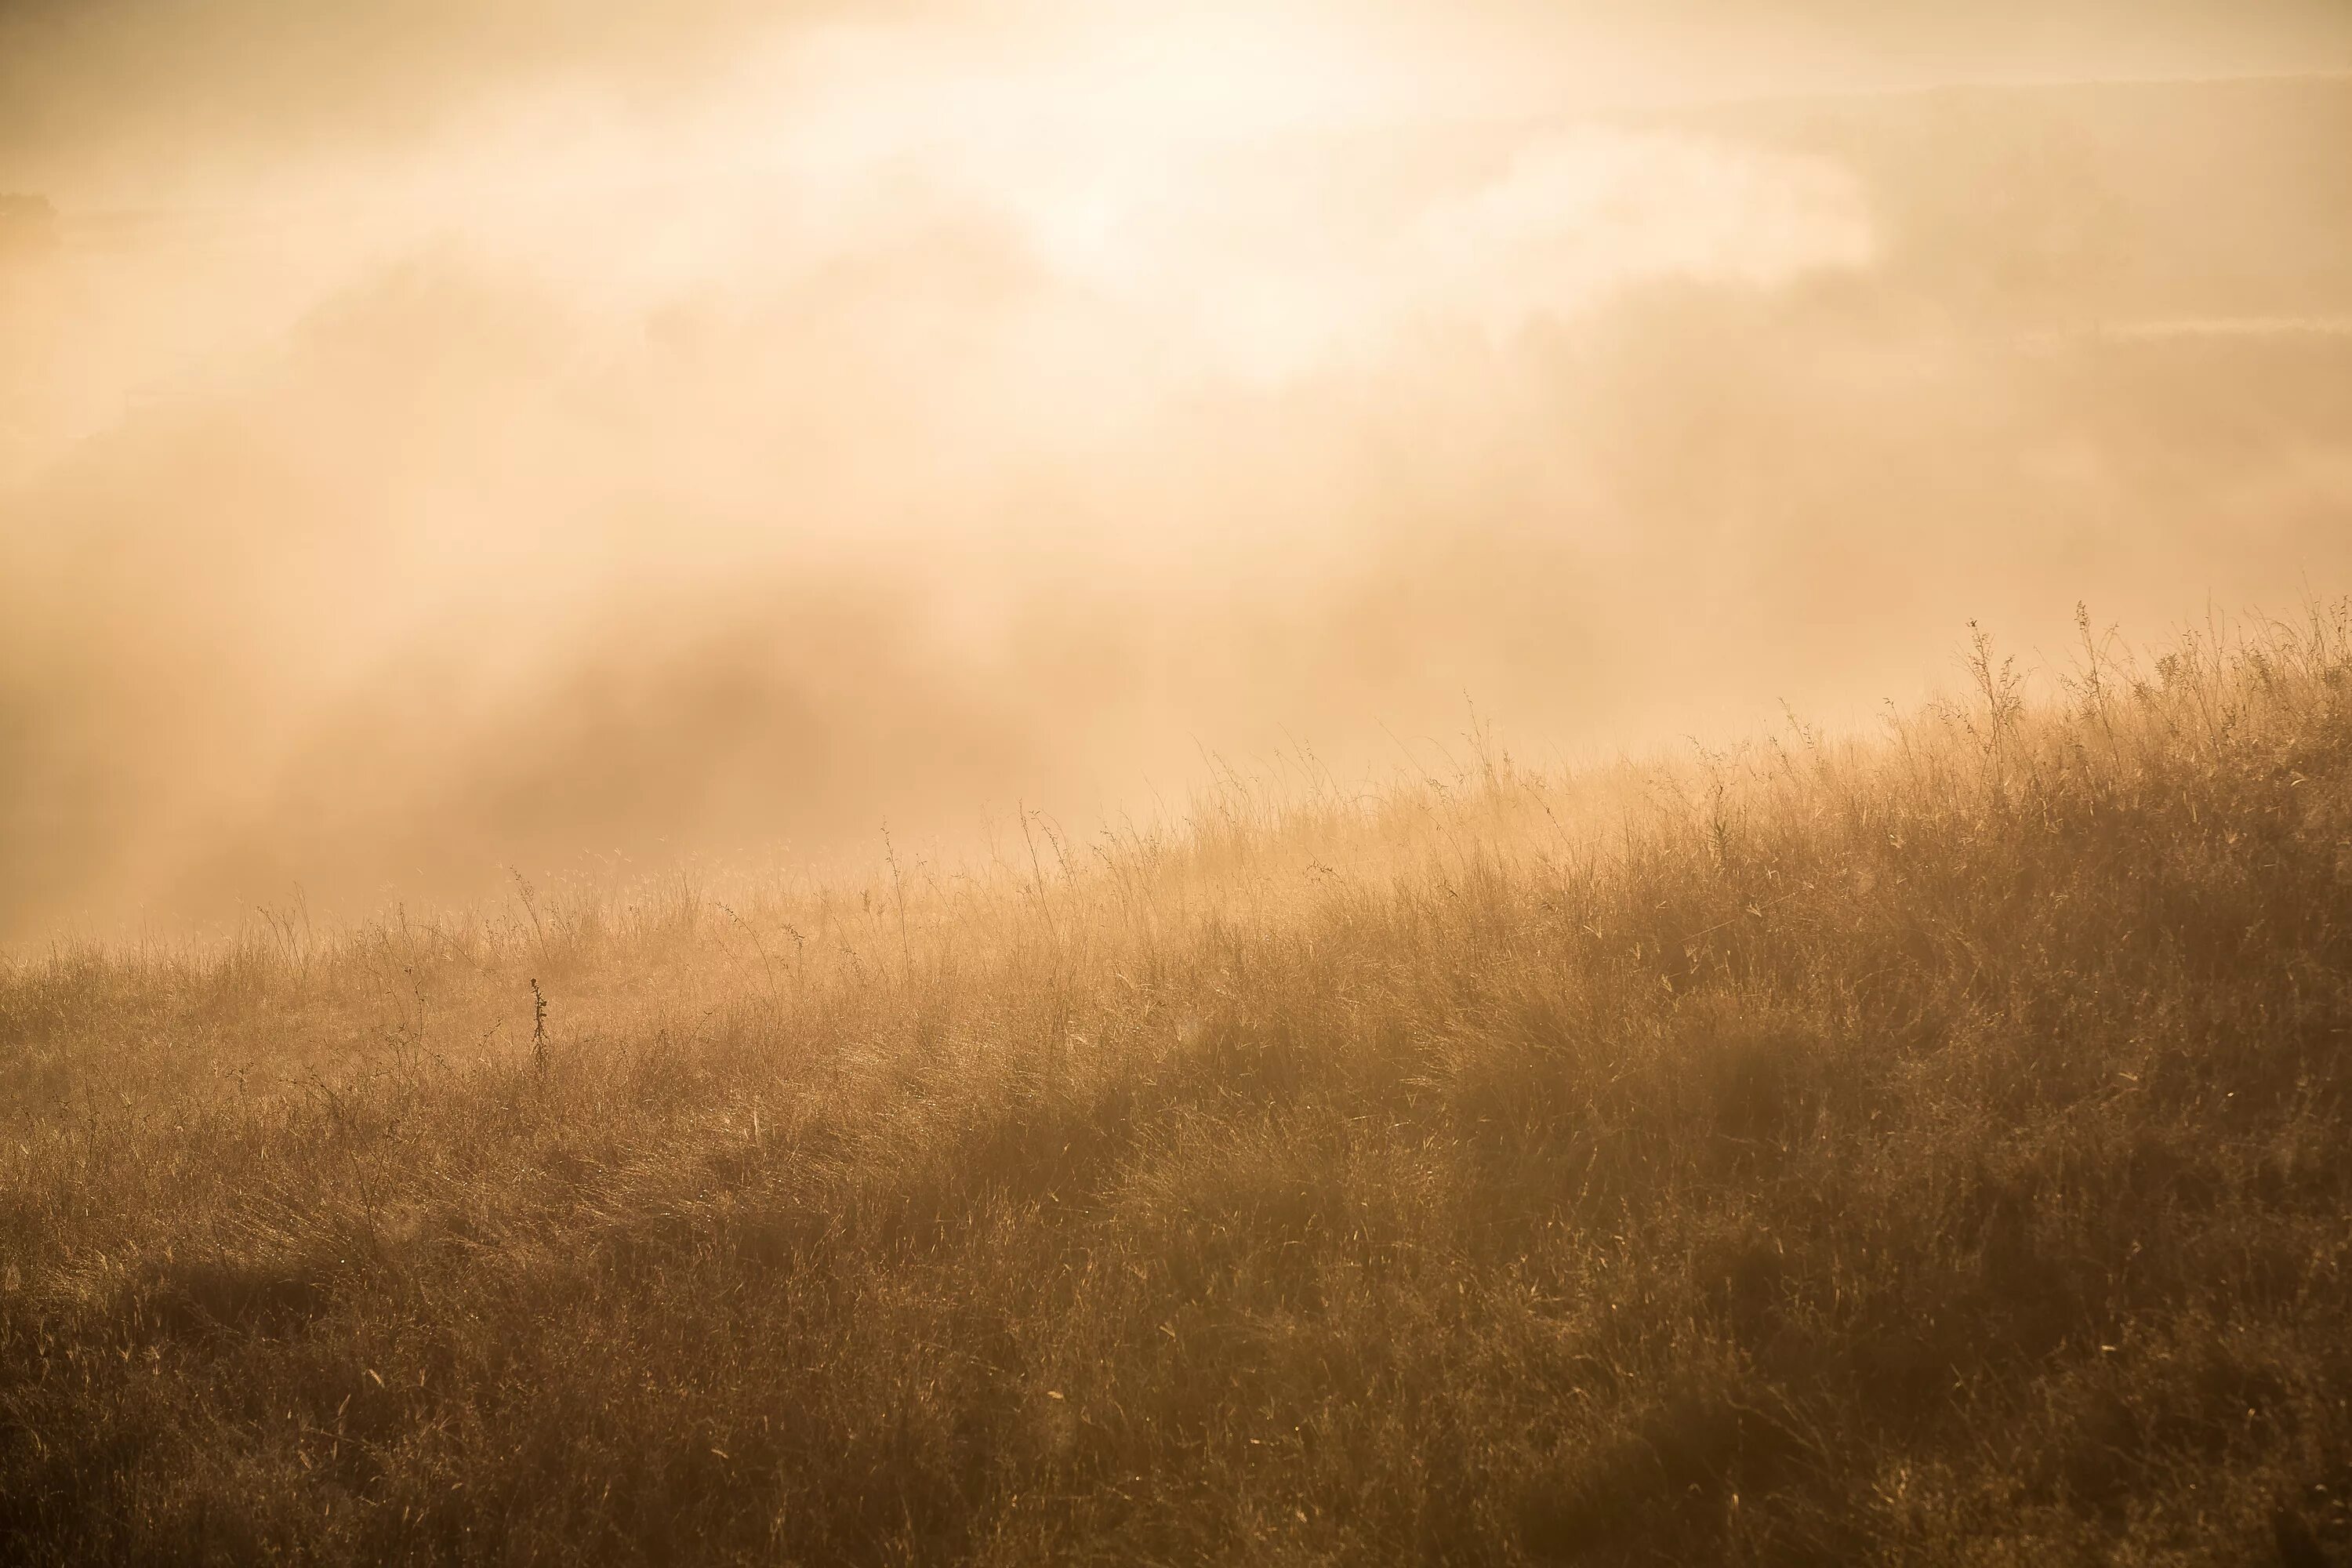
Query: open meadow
x=856, y=783
x=1927, y=1148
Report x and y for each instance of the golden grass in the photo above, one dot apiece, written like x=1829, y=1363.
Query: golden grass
x=1932, y=1149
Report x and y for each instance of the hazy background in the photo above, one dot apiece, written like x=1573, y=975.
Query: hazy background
x=454, y=435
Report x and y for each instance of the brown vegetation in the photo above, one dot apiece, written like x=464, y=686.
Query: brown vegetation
x=1927, y=1150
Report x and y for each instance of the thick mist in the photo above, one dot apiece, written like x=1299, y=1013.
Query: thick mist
x=711, y=441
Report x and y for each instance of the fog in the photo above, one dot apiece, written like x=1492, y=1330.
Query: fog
x=445, y=439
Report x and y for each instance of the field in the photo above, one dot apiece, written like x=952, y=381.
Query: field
x=1929, y=1147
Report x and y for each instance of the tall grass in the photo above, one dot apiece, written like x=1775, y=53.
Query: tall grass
x=1928, y=1147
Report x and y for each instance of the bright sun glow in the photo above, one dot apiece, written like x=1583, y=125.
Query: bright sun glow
x=1219, y=195
x=1183, y=173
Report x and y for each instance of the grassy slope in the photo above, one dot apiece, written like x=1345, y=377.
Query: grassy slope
x=1934, y=1150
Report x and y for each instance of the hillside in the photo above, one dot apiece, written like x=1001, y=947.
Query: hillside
x=1932, y=1148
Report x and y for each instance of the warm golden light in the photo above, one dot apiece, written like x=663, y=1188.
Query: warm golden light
x=1109, y=381
x=1550, y=783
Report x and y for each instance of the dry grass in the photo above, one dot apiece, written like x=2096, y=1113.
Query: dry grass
x=1930, y=1150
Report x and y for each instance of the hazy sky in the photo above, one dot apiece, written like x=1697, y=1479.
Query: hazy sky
x=442, y=436
x=123, y=98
